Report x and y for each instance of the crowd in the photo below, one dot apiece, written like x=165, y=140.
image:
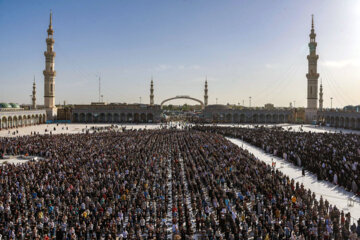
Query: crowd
x=333, y=157
x=64, y=128
x=155, y=184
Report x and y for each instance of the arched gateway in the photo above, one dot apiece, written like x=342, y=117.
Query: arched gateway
x=183, y=97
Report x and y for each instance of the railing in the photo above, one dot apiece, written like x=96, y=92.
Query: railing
x=11, y=109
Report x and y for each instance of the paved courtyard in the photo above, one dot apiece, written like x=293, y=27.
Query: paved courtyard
x=67, y=128
x=17, y=159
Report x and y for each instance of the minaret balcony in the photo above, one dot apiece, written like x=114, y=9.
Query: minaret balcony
x=50, y=41
x=50, y=73
x=312, y=76
x=311, y=57
x=49, y=54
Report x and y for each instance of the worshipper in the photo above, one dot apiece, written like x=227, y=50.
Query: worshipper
x=155, y=184
x=333, y=157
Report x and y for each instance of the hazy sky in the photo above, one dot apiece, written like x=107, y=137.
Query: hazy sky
x=245, y=48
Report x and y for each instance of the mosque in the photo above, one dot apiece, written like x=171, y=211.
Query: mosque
x=12, y=115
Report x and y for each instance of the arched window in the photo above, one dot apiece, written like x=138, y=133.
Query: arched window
x=51, y=88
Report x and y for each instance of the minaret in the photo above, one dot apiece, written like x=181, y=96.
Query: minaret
x=321, y=100
x=312, y=76
x=33, y=97
x=206, y=93
x=152, y=92
x=50, y=73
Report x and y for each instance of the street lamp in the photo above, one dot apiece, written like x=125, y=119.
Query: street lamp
x=249, y=101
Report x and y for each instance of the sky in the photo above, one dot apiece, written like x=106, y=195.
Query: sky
x=245, y=48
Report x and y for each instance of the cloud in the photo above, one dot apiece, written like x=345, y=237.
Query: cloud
x=162, y=67
x=194, y=67
x=166, y=67
x=330, y=63
x=202, y=79
x=340, y=63
x=271, y=66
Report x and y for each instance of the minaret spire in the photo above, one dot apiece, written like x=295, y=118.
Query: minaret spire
x=34, y=95
x=50, y=30
x=312, y=33
x=206, y=93
x=321, y=99
x=50, y=25
x=312, y=21
x=152, y=92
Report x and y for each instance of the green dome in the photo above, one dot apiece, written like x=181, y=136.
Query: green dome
x=4, y=105
x=14, y=105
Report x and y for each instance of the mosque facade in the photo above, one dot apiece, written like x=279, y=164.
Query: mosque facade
x=116, y=113
x=12, y=115
x=228, y=114
x=101, y=112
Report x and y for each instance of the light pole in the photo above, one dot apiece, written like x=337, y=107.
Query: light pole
x=249, y=101
x=331, y=102
x=216, y=100
x=140, y=99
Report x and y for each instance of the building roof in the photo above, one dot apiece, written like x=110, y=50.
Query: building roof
x=14, y=105
x=5, y=105
x=9, y=105
x=218, y=107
